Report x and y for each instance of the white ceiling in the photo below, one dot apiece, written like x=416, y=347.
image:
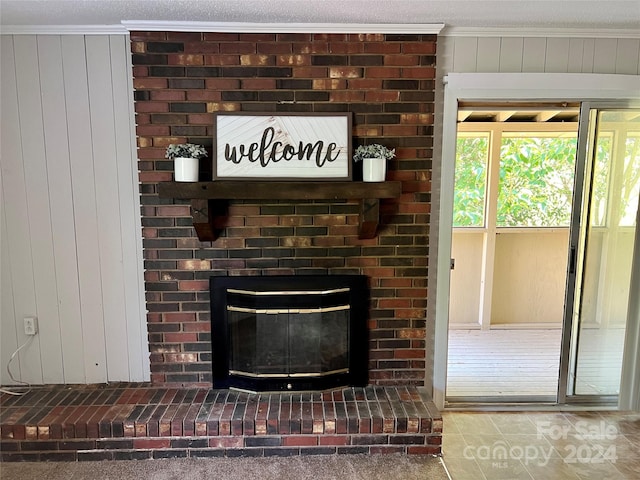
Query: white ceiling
x=530, y=14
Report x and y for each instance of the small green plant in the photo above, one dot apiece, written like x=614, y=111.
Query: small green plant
x=185, y=150
x=375, y=150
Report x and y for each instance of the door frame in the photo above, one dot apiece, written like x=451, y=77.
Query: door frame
x=510, y=87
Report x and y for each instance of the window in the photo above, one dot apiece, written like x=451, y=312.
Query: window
x=470, y=180
x=535, y=178
x=536, y=181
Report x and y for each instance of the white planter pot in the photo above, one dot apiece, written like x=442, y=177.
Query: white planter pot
x=374, y=169
x=185, y=169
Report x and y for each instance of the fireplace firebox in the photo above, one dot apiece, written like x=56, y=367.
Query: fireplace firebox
x=289, y=333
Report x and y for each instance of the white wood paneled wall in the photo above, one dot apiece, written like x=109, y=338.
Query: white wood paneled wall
x=538, y=54
x=70, y=244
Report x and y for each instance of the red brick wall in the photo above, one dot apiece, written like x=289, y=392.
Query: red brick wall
x=387, y=82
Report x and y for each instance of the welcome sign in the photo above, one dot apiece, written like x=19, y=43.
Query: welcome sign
x=271, y=146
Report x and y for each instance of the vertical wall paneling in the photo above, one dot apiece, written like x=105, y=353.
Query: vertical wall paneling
x=540, y=55
x=39, y=215
x=627, y=56
x=511, y=49
x=533, y=54
x=107, y=201
x=15, y=301
x=576, y=49
x=488, y=54
x=130, y=226
x=557, y=55
x=61, y=206
x=465, y=54
x=605, y=55
x=9, y=337
x=84, y=206
x=588, y=55
x=70, y=245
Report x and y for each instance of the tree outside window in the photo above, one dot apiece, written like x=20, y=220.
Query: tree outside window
x=535, y=184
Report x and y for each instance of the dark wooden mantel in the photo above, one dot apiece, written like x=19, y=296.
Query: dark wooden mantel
x=206, y=198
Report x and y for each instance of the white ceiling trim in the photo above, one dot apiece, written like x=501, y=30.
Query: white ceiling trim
x=224, y=27
x=241, y=27
x=64, y=30
x=539, y=32
x=230, y=27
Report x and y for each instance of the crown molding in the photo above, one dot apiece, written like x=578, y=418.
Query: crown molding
x=449, y=31
x=390, y=28
x=117, y=29
x=241, y=27
x=223, y=27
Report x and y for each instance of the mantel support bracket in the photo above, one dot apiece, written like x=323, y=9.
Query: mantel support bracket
x=209, y=217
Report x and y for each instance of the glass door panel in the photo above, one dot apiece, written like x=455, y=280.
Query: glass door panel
x=512, y=210
x=607, y=253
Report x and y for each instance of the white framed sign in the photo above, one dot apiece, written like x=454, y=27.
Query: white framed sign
x=273, y=146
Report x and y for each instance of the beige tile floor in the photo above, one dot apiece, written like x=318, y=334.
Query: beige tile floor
x=542, y=445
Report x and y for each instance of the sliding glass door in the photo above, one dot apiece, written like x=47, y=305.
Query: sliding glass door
x=602, y=257
x=602, y=260
x=543, y=243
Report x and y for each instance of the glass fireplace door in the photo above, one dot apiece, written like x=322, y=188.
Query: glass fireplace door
x=289, y=332
x=289, y=343
x=319, y=342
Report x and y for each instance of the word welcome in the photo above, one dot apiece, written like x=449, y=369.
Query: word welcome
x=267, y=151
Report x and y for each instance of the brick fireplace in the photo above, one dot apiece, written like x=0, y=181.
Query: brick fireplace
x=387, y=83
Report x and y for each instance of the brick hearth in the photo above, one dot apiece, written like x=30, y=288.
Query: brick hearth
x=134, y=422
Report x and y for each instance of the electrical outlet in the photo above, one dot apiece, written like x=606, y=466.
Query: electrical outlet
x=30, y=325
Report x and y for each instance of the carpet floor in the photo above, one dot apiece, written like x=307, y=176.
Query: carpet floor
x=326, y=467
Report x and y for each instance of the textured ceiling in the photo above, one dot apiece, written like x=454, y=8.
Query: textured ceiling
x=601, y=14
